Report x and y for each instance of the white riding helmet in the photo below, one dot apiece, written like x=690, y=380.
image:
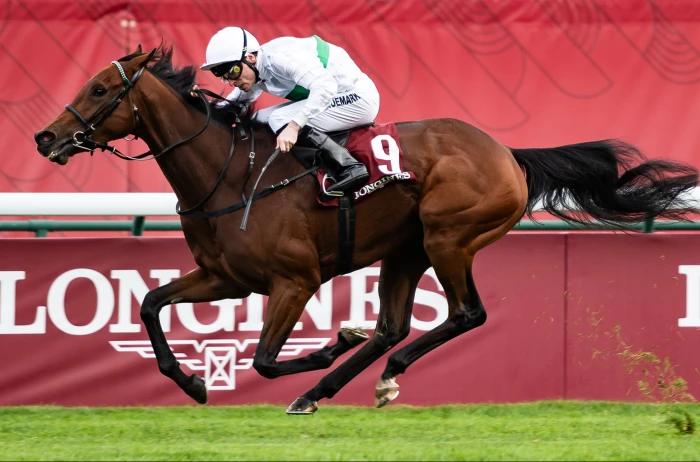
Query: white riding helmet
x=229, y=44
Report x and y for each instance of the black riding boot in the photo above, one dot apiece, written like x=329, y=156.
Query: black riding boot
x=347, y=171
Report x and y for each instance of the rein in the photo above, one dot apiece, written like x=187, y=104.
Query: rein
x=197, y=212
x=255, y=196
x=83, y=140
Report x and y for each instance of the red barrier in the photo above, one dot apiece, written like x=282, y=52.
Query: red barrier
x=70, y=331
x=531, y=73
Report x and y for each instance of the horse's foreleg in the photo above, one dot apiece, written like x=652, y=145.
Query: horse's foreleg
x=288, y=298
x=397, y=285
x=348, y=338
x=196, y=286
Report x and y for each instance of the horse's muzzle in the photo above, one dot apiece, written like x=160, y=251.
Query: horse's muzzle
x=44, y=138
x=49, y=146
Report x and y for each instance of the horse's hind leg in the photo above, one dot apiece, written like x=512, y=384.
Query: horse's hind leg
x=196, y=286
x=453, y=265
x=473, y=195
x=397, y=285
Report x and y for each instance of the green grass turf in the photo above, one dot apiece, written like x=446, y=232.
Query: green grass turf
x=532, y=431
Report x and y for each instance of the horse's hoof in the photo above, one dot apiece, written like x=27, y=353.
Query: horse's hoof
x=385, y=392
x=196, y=389
x=352, y=335
x=302, y=406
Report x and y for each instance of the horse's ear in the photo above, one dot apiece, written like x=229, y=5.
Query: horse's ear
x=136, y=54
x=142, y=59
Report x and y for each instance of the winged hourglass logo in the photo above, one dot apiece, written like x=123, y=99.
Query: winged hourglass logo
x=218, y=359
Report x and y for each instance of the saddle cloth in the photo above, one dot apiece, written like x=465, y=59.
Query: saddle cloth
x=378, y=147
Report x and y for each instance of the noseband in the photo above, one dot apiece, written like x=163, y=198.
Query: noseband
x=82, y=138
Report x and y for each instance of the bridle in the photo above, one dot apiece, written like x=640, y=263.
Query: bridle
x=82, y=139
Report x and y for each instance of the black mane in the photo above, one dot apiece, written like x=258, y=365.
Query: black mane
x=182, y=80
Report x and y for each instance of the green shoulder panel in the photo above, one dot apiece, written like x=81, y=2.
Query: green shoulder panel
x=299, y=93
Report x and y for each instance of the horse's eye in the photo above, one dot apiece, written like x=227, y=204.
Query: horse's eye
x=99, y=91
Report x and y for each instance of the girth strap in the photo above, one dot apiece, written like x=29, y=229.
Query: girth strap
x=346, y=234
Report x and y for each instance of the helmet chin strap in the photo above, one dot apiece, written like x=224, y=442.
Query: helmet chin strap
x=244, y=51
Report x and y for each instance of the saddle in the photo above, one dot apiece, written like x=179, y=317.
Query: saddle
x=375, y=145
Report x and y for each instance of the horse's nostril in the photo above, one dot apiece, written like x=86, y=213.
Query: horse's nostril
x=44, y=137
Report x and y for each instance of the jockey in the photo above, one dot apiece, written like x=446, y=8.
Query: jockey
x=325, y=88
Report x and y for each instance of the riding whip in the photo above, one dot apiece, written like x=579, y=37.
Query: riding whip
x=244, y=222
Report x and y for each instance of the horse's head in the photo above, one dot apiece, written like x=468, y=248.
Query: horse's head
x=102, y=111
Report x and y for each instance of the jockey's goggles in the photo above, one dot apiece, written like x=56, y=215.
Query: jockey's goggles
x=228, y=71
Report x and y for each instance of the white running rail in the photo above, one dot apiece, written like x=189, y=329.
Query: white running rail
x=87, y=204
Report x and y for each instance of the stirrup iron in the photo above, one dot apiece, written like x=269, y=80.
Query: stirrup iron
x=329, y=193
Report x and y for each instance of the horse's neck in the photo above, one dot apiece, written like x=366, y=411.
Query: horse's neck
x=191, y=169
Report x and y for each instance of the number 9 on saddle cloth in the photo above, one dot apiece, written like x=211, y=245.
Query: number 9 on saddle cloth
x=375, y=146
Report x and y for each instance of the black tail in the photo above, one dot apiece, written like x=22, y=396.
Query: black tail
x=609, y=180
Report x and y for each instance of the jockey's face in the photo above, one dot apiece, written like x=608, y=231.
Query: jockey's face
x=246, y=80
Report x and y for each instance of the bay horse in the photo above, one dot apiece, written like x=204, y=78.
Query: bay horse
x=470, y=190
